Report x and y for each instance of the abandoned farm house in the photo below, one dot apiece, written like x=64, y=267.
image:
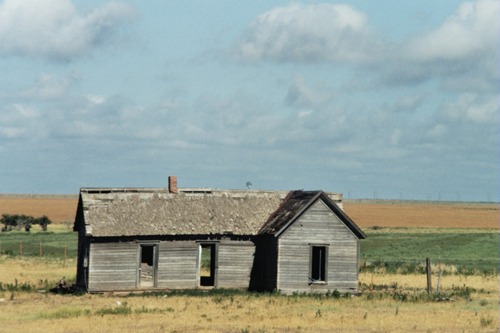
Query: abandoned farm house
x=133, y=239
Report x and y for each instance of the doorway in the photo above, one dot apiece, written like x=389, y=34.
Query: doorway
x=207, y=264
x=148, y=265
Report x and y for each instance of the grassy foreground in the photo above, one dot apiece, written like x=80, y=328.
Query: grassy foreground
x=389, y=303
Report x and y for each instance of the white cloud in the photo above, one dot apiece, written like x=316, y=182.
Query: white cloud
x=21, y=121
x=48, y=87
x=12, y=132
x=463, y=51
x=322, y=32
x=473, y=108
x=302, y=95
x=472, y=32
x=96, y=99
x=55, y=28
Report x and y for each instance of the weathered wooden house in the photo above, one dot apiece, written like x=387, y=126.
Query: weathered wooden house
x=157, y=239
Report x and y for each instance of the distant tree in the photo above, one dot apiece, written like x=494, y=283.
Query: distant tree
x=43, y=221
x=23, y=221
x=8, y=221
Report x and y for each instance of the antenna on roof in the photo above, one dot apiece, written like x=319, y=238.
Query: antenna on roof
x=249, y=185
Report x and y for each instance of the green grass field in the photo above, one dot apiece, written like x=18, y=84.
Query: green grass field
x=404, y=250
x=52, y=243
x=395, y=250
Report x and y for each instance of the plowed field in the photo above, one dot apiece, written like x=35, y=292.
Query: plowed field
x=365, y=213
x=416, y=214
x=57, y=208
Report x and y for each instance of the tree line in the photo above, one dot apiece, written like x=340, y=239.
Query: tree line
x=23, y=222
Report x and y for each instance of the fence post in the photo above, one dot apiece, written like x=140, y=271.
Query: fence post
x=21, y=249
x=64, y=255
x=41, y=248
x=428, y=271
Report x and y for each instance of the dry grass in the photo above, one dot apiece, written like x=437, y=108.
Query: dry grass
x=27, y=312
x=33, y=270
x=33, y=311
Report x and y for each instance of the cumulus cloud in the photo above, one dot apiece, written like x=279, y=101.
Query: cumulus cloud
x=463, y=51
x=56, y=29
x=321, y=32
x=471, y=33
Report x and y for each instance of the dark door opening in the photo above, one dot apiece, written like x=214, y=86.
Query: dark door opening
x=147, y=266
x=208, y=265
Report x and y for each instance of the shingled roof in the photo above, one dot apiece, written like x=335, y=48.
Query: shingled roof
x=143, y=212
x=295, y=203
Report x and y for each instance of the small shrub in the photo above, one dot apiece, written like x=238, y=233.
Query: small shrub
x=486, y=321
x=463, y=291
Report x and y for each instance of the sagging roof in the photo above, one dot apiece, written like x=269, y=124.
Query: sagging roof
x=295, y=204
x=142, y=212
x=113, y=212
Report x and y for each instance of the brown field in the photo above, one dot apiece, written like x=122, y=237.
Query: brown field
x=57, y=208
x=417, y=214
x=365, y=213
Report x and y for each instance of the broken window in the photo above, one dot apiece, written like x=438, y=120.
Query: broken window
x=319, y=263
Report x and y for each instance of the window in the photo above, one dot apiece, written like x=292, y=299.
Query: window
x=319, y=263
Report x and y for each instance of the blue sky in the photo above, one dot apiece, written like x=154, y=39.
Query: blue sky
x=386, y=99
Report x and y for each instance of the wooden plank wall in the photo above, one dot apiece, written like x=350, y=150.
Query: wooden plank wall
x=236, y=259
x=112, y=266
x=177, y=264
x=320, y=226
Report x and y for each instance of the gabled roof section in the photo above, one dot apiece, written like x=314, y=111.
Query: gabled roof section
x=112, y=212
x=296, y=203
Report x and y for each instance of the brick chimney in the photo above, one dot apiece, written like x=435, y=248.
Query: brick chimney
x=172, y=184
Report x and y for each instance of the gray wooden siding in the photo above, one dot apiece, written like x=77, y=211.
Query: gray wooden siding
x=318, y=225
x=177, y=264
x=112, y=266
x=236, y=259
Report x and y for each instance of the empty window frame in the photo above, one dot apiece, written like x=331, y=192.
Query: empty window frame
x=318, y=272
